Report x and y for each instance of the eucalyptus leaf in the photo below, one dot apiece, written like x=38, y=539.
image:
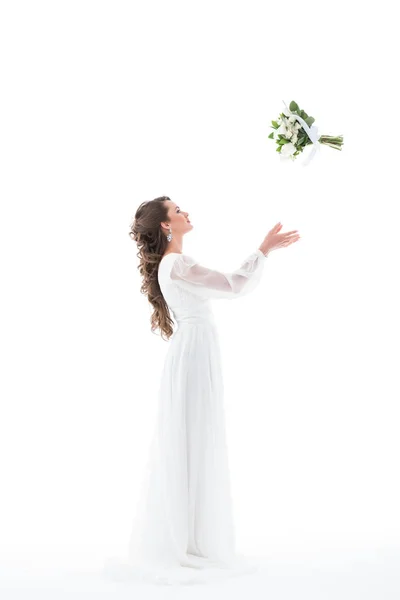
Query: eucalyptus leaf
x=293, y=106
x=309, y=121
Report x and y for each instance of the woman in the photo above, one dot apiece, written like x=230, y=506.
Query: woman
x=183, y=531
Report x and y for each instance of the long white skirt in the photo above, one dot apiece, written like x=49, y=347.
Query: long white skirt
x=183, y=530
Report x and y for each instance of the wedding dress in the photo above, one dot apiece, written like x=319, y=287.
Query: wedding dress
x=183, y=531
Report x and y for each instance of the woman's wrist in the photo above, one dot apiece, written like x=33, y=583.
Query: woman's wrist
x=264, y=251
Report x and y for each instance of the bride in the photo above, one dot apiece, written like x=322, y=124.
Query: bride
x=183, y=530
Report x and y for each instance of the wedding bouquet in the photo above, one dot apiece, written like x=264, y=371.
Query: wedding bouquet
x=294, y=130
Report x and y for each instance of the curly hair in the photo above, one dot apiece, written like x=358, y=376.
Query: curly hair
x=145, y=230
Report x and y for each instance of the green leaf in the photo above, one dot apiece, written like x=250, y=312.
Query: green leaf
x=293, y=106
x=271, y=135
x=309, y=121
x=275, y=124
x=279, y=148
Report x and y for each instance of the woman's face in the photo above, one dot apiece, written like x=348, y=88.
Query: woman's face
x=179, y=219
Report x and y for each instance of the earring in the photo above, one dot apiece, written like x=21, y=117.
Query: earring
x=169, y=236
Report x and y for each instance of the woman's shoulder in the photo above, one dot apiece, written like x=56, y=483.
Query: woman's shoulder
x=170, y=257
x=181, y=256
x=177, y=259
x=171, y=254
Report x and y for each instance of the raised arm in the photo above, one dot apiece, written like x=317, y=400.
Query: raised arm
x=188, y=274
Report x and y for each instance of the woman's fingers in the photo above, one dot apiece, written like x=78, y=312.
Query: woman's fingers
x=279, y=226
x=290, y=239
x=290, y=236
x=282, y=239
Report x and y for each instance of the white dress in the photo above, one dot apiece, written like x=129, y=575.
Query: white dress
x=184, y=531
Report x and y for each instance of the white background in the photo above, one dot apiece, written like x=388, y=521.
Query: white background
x=107, y=104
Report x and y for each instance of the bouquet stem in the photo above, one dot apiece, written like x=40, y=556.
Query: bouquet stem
x=332, y=141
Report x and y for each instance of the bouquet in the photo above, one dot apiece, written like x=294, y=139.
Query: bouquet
x=294, y=130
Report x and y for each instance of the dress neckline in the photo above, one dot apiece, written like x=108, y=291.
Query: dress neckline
x=165, y=255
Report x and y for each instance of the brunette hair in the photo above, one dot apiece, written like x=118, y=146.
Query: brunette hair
x=152, y=243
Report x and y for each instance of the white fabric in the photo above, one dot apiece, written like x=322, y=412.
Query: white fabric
x=208, y=283
x=183, y=530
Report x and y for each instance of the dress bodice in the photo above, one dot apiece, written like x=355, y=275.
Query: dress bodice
x=188, y=286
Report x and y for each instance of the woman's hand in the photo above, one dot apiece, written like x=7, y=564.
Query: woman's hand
x=274, y=239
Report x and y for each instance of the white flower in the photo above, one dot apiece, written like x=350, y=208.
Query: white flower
x=292, y=119
x=294, y=138
x=288, y=149
x=298, y=125
x=288, y=134
x=281, y=129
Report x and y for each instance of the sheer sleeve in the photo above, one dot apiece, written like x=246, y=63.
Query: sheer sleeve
x=188, y=274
